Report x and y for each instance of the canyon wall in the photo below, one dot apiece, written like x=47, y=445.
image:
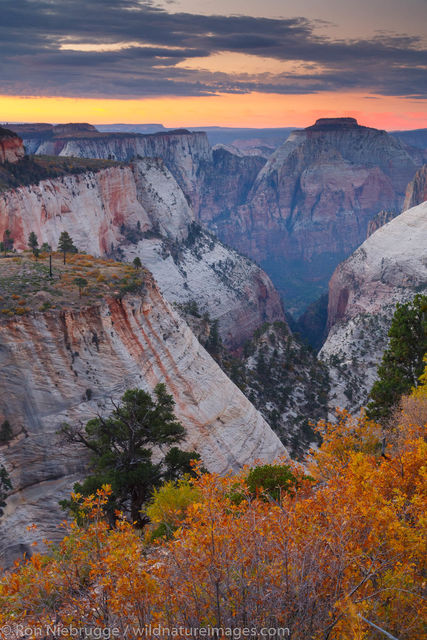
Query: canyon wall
x=388, y=268
x=66, y=366
x=182, y=152
x=140, y=210
x=311, y=203
x=416, y=193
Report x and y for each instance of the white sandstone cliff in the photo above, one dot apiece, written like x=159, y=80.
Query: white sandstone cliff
x=101, y=210
x=390, y=267
x=49, y=362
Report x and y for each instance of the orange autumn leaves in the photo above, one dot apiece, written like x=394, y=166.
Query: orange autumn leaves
x=350, y=543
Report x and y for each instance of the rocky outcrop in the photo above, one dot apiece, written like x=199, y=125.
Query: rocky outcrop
x=389, y=267
x=311, y=204
x=416, y=193
x=66, y=366
x=11, y=147
x=140, y=210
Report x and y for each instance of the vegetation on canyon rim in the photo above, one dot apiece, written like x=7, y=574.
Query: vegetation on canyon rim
x=25, y=284
x=347, y=542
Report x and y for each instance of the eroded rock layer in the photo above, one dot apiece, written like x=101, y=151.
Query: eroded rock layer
x=140, y=210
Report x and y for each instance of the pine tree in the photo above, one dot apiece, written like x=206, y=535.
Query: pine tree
x=402, y=362
x=33, y=243
x=122, y=446
x=65, y=243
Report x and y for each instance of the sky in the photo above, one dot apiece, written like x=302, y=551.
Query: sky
x=259, y=63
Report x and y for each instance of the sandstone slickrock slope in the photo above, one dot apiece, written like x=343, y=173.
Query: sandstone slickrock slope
x=67, y=365
x=389, y=267
x=141, y=210
x=311, y=203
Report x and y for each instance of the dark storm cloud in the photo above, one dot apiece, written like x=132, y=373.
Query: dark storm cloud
x=32, y=62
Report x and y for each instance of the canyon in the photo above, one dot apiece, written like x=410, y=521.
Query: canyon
x=140, y=210
x=297, y=213
x=320, y=194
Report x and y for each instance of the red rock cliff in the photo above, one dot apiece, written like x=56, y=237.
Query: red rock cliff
x=11, y=146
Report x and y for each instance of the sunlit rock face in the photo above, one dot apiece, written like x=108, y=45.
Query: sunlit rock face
x=11, y=147
x=388, y=268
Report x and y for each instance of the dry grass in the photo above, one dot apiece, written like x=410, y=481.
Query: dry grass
x=25, y=284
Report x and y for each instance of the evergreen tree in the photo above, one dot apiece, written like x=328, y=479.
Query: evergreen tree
x=122, y=446
x=402, y=362
x=65, y=244
x=137, y=263
x=33, y=243
x=7, y=241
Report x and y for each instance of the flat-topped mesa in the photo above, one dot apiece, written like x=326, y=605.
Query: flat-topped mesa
x=73, y=128
x=328, y=124
x=11, y=146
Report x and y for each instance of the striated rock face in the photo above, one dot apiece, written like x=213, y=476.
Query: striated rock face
x=11, y=147
x=181, y=151
x=388, y=268
x=140, y=210
x=416, y=192
x=311, y=204
x=226, y=182
x=67, y=366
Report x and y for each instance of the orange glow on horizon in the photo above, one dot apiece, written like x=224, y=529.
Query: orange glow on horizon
x=228, y=110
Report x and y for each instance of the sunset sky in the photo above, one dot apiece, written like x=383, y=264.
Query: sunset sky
x=266, y=63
